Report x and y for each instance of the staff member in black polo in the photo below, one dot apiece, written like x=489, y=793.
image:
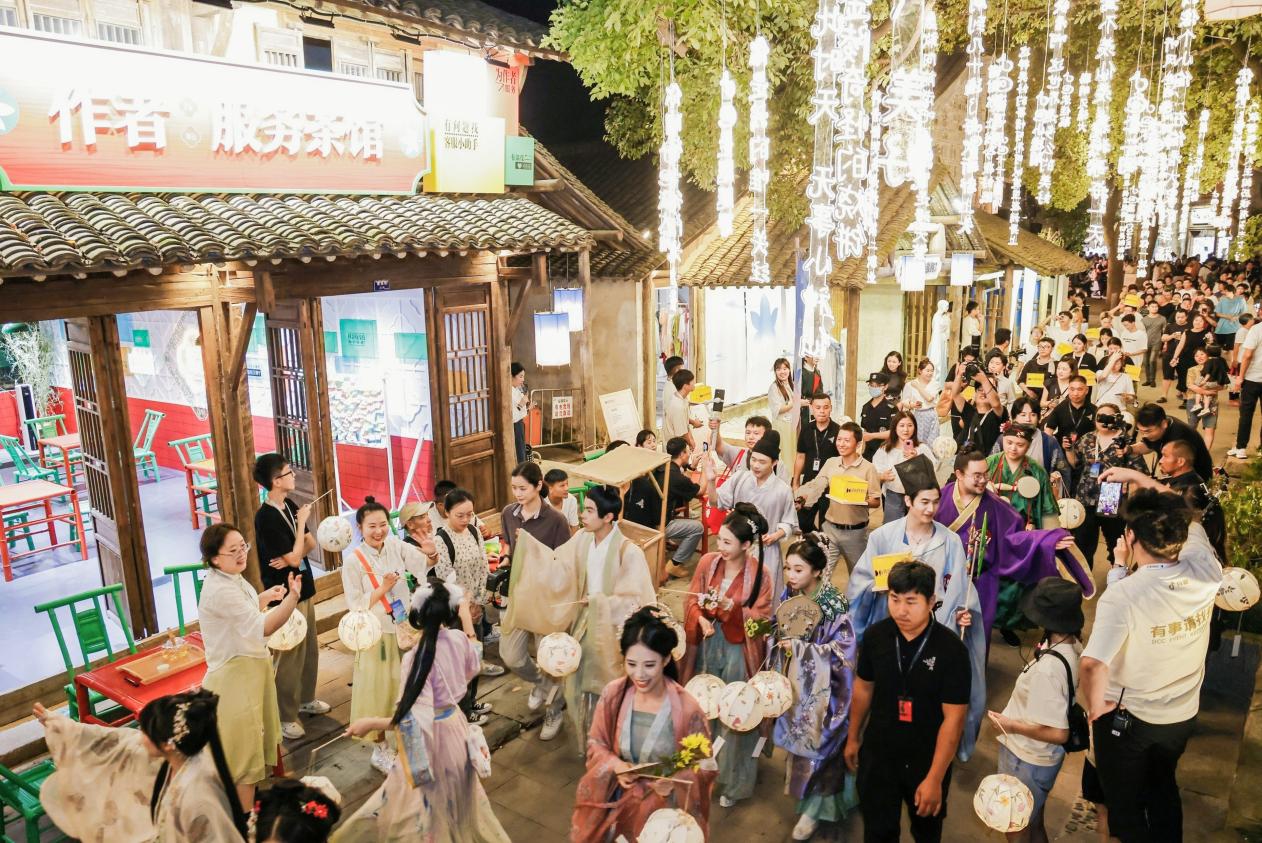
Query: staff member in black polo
x=817, y=444
x=876, y=414
x=1154, y=429
x=911, y=687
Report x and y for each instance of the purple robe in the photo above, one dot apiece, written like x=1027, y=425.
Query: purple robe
x=1012, y=552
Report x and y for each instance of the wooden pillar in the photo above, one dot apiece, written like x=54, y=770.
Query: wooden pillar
x=319, y=419
x=224, y=334
x=501, y=321
x=590, y=435
x=648, y=346
x=1005, y=302
x=852, y=351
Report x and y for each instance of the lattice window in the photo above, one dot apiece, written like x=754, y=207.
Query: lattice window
x=352, y=58
x=117, y=21
x=387, y=67
x=468, y=377
x=281, y=47
x=88, y=418
x=59, y=17
x=8, y=14
x=289, y=396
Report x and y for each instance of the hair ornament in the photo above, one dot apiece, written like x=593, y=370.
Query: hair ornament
x=179, y=724
x=316, y=809
x=421, y=595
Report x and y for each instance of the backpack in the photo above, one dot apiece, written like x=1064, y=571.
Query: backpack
x=1079, y=729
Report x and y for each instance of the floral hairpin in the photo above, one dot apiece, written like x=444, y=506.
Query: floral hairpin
x=179, y=724
x=316, y=809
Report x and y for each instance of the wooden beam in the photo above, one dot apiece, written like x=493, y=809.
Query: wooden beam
x=540, y=186
x=514, y=271
x=585, y=350
x=607, y=235
x=241, y=343
x=27, y=300
x=852, y=351
x=538, y=275
x=265, y=291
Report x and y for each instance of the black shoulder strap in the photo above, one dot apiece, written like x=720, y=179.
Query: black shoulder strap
x=451, y=546
x=1069, y=674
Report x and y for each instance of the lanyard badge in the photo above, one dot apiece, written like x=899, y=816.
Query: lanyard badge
x=904, y=700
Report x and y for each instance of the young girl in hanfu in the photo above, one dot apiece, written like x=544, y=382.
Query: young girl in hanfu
x=166, y=782
x=820, y=667
x=432, y=793
x=734, y=588
x=641, y=718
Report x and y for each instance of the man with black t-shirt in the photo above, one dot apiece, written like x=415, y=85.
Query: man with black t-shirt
x=817, y=444
x=1074, y=417
x=876, y=414
x=1155, y=429
x=643, y=505
x=911, y=686
x=975, y=419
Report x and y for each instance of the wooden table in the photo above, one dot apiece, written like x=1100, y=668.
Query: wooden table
x=27, y=497
x=67, y=443
x=206, y=466
x=107, y=680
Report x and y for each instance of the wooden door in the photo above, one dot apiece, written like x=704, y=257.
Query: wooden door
x=468, y=385
x=100, y=404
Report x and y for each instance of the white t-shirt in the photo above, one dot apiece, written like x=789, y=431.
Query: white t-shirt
x=519, y=404
x=1152, y=630
x=1134, y=342
x=568, y=508
x=969, y=328
x=1251, y=341
x=1061, y=335
x=1041, y=696
x=674, y=415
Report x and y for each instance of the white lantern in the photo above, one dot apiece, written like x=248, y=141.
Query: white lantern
x=569, y=300
x=1238, y=590
x=552, y=339
x=334, y=534
x=962, y=269
x=740, y=708
x=559, y=654
x=911, y=273
x=1216, y=10
x=359, y=629
x=944, y=447
x=671, y=825
x=1072, y=513
x=1003, y=803
x=775, y=693
x=290, y=634
x=706, y=689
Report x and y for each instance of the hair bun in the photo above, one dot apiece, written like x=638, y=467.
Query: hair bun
x=369, y=499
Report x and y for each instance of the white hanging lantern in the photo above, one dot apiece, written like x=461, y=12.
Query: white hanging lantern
x=335, y=534
x=1099, y=144
x=359, y=629
x=569, y=300
x=739, y=707
x=670, y=199
x=1018, y=143
x=1072, y=513
x=291, y=633
x=1216, y=10
x=706, y=689
x=972, y=124
x=962, y=269
x=995, y=145
x=552, y=339
x=911, y=273
x=775, y=693
x=559, y=654
x=1238, y=591
x=671, y=825
x=1003, y=803
x=726, y=168
x=759, y=154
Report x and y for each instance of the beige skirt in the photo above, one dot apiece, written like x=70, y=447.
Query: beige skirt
x=249, y=722
x=375, y=681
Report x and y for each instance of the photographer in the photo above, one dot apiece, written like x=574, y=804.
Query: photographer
x=1144, y=663
x=1093, y=455
x=1154, y=429
x=975, y=422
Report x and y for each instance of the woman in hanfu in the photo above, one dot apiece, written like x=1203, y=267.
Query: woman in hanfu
x=166, y=782
x=432, y=793
x=820, y=667
x=734, y=588
x=642, y=718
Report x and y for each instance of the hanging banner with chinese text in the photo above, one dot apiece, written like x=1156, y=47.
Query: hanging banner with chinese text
x=96, y=116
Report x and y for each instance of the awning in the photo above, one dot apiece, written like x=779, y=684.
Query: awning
x=76, y=233
x=1031, y=251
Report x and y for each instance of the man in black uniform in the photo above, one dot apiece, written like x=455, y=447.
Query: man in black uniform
x=817, y=444
x=875, y=416
x=911, y=687
x=1154, y=429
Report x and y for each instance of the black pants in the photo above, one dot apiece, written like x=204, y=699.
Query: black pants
x=885, y=783
x=1137, y=772
x=1087, y=534
x=1249, y=392
x=519, y=440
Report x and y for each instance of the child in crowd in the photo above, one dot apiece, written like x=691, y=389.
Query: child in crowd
x=559, y=497
x=1209, y=372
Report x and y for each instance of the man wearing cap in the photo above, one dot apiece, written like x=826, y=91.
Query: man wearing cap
x=845, y=524
x=1006, y=469
x=876, y=414
x=975, y=420
x=418, y=530
x=762, y=487
x=918, y=536
x=1034, y=724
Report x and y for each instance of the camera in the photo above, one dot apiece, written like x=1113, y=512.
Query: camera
x=971, y=370
x=1110, y=421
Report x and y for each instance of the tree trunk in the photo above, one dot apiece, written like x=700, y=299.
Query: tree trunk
x=1113, y=289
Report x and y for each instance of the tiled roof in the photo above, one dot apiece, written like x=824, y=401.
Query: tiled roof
x=1031, y=251
x=944, y=198
x=898, y=209
x=725, y=261
x=472, y=21
x=47, y=233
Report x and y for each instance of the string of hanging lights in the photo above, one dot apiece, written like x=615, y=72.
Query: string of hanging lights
x=1018, y=143
x=850, y=63
x=972, y=124
x=995, y=144
x=1043, y=138
x=921, y=164
x=1231, y=178
x=670, y=199
x=1082, y=119
x=1192, y=177
x=759, y=154
x=1099, y=144
x=725, y=173
x=1247, y=158
x=1066, y=102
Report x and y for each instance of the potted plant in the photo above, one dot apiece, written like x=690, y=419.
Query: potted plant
x=30, y=354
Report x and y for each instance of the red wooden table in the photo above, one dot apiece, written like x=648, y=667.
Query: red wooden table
x=195, y=491
x=28, y=496
x=67, y=443
x=108, y=681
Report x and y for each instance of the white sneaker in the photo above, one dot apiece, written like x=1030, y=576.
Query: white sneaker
x=805, y=828
x=315, y=707
x=490, y=669
x=492, y=636
x=382, y=758
x=725, y=802
x=537, y=697
x=551, y=725
x=292, y=731
x=1238, y=453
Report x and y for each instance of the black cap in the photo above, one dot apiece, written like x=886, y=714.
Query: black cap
x=768, y=445
x=879, y=378
x=1055, y=604
x=917, y=475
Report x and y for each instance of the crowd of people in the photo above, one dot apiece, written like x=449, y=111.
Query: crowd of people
x=967, y=471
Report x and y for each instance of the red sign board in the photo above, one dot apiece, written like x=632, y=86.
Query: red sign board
x=91, y=116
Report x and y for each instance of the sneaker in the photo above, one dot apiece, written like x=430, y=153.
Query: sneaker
x=315, y=707
x=490, y=669
x=482, y=708
x=805, y=827
x=1238, y=453
x=476, y=719
x=382, y=758
x=676, y=571
x=725, y=802
x=537, y=698
x=292, y=731
x=492, y=636
x=551, y=725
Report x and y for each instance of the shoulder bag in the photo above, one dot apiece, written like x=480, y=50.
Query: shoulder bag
x=405, y=635
x=1079, y=729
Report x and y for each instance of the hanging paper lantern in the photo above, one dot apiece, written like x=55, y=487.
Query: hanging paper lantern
x=962, y=269
x=569, y=300
x=559, y=654
x=552, y=339
x=1238, y=590
x=334, y=534
x=944, y=447
x=1072, y=513
x=1003, y=803
x=911, y=273
x=359, y=629
x=291, y=633
x=671, y=825
x=706, y=689
x=775, y=693
x=740, y=708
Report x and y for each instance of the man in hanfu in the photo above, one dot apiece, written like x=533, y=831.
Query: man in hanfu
x=917, y=536
x=1005, y=470
x=1004, y=554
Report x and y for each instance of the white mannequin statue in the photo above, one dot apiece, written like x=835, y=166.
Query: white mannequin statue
x=941, y=329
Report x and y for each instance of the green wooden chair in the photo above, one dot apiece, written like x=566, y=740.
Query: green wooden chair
x=194, y=449
x=19, y=801
x=93, y=637
x=13, y=528
x=24, y=467
x=142, y=448
x=47, y=427
x=197, y=573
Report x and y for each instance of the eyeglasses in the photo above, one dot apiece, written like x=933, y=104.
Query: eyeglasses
x=289, y=473
x=244, y=549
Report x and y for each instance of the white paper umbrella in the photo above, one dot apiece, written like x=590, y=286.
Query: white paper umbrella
x=334, y=534
x=359, y=629
x=290, y=634
x=1238, y=590
x=1003, y=803
x=705, y=688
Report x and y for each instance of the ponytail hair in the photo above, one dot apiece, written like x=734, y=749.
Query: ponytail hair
x=189, y=723
x=747, y=524
x=432, y=609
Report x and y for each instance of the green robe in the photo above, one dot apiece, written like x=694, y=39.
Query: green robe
x=1033, y=509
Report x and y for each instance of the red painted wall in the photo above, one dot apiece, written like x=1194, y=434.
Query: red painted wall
x=9, y=411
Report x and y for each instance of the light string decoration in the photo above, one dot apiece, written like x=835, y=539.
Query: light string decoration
x=972, y=124
x=1082, y=120
x=670, y=199
x=1231, y=178
x=995, y=146
x=1043, y=137
x=1099, y=143
x=759, y=154
x=1066, y=102
x=1130, y=157
x=1192, y=178
x=1176, y=82
x=872, y=184
x=1247, y=158
x=725, y=173
x=921, y=160
x=1018, y=143
x=850, y=163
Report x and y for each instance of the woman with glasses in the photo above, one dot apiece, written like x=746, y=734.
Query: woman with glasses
x=236, y=623
x=1095, y=451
